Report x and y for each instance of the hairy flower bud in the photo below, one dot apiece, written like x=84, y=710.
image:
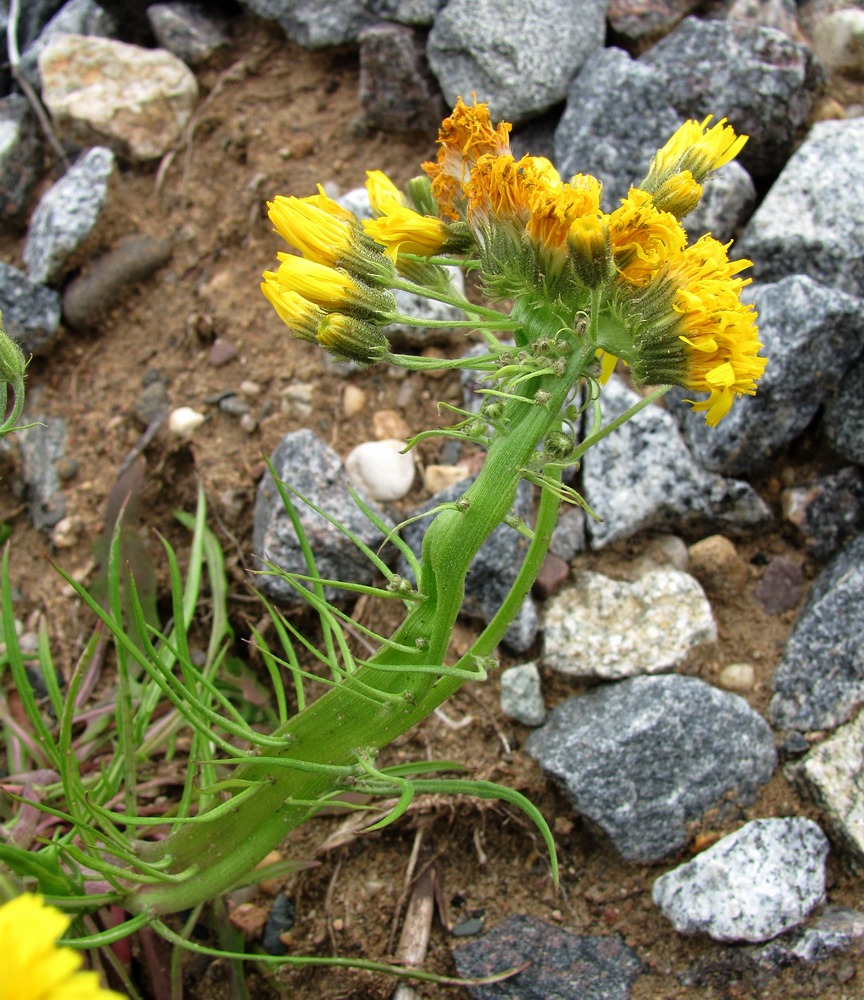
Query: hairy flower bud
x=350, y=339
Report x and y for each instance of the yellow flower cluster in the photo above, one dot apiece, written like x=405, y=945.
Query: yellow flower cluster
x=334, y=277
x=32, y=966
x=680, y=305
x=672, y=311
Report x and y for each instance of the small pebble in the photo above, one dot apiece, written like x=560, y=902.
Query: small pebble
x=184, y=421
x=221, y=352
x=234, y=405
x=353, y=400
x=521, y=696
x=248, y=424
x=381, y=470
x=64, y=534
x=66, y=467
x=737, y=677
x=781, y=585
x=250, y=388
x=389, y=424
x=715, y=563
x=552, y=576
x=440, y=477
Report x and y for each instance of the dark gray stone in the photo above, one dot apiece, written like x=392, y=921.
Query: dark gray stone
x=77, y=17
x=188, y=30
x=834, y=929
x=750, y=886
x=781, y=585
x=494, y=568
x=645, y=758
x=67, y=214
x=519, y=56
x=613, y=139
x=560, y=964
x=111, y=277
x=20, y=156
x=819, y=682
x=843, y=420
x=397, y=90
x=43, y=444
x=642, y=476
x=812, y=219
x=280, y=919
x=302, y=460
x=811, y=335
x=418, y=13
x=316, y=24
x=31, y=312
x=765, y=83
x=828, y=512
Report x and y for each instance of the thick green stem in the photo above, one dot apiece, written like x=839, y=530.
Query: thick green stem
x=348, y=719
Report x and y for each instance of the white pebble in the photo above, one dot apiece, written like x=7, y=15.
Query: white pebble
x=184, y=421
x=737, y=677
x=380, y=469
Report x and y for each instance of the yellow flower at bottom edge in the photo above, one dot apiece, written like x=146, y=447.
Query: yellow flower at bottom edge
x=32, y=966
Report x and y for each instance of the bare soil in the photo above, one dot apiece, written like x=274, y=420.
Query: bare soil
x=277, y=119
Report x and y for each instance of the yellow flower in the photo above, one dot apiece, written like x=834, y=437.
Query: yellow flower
x=463, y=138
x=696, y=150
x=296, y=312
x=317, y=233
x=32, y=966
x=402, y=230
x=642, y=237
x=382, y=191
x=706, y=339
x=333, y=289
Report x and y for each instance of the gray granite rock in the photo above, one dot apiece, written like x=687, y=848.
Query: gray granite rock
x=315, y=24
x=765, y=83
x=828, y=511
x=819, y=682
x=831, y=930
x=843, y=419
x=642, y=476
x=43, y=445
x=812, y=219
x=77, y=17
x=811, y=335
x=832, y=775
x=31, y=312
x=750, y=886
x=20, y=156
x=609, y=629
x=67, y=214
x=521, y=696
x=601, y=134
x=645, y=758
x=304, y=462
x=559, y=964
x=494, y=568
x=397, y=90
x=187, y=30
x=508, y=55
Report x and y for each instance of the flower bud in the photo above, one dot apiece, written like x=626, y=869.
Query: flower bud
x=590, y=254
x=349, y=339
